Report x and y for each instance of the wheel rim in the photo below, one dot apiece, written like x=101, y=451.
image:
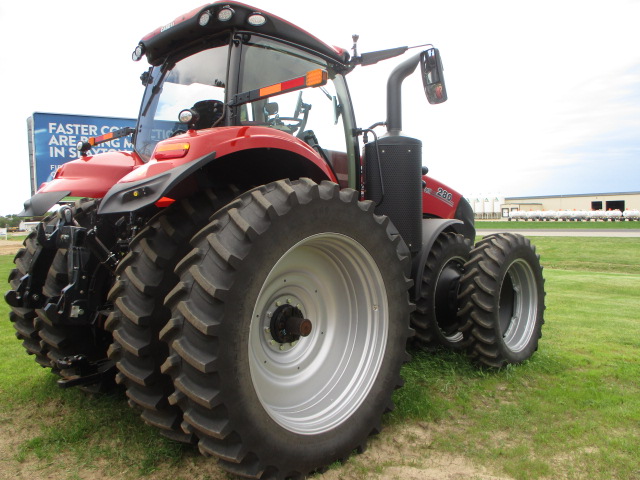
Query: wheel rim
x=518, y=308
x=315, y=383
x=445, y=299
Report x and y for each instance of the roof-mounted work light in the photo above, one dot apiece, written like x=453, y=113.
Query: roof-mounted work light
x=225, y=14
x=204, y=18
x=138, y=52
x=256, y=20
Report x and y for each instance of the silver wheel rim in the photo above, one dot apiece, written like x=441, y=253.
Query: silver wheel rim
x=518, y=315
x=314, y=384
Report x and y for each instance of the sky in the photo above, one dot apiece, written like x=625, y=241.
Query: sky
x=544, y=96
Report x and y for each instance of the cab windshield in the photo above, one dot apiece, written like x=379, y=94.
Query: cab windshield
x=197, y=81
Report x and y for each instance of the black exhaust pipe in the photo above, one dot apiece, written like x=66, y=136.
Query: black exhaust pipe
x=394, y=93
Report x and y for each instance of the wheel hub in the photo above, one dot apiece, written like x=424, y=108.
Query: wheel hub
x=446, y=296
x=288, y=324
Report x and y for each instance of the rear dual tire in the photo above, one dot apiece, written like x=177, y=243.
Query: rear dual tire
x=502, y=300
x=144, y=277
x=435, y=319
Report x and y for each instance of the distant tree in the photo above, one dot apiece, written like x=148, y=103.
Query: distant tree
x=10, y=221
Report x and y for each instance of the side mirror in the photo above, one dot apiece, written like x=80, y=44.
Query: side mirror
x=432, y=76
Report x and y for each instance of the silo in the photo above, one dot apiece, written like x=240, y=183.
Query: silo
x=498, y=201
x=487, y=205
x=478, y=207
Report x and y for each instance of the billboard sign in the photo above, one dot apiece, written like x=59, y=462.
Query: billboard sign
x=53, y=138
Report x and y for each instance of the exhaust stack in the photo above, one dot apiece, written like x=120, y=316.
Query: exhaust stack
x=394, y=94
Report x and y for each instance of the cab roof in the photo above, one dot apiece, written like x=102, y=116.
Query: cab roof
x=227, y=16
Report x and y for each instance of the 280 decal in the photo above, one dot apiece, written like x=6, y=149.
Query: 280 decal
x=441, y=194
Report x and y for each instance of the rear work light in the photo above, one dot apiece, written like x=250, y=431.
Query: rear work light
x=171, y=150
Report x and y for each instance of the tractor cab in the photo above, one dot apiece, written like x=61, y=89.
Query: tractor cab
x=241, y=76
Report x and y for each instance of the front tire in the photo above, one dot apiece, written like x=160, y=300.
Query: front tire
x=502, y=300
x=268, y=402
x=63, y=339
x=24, y=319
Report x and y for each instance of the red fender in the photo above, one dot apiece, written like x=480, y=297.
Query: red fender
x=438, y=200
x=92, y=176
x=224, y=141
x=176, y=159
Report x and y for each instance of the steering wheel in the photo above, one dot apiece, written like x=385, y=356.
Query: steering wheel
x=177, y=132
x=292, y=127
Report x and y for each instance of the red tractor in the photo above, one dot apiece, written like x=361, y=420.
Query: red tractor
x=249, y=274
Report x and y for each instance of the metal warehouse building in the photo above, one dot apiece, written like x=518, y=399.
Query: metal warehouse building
x=587, y=201
x=495, y=206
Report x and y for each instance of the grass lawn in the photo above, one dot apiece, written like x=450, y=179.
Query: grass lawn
x=571, y=412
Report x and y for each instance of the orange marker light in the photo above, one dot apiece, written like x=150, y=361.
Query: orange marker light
x=171, y=150
x=272, y=90
x=315, y=78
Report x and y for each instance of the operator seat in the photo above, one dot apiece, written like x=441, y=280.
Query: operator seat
x=209, y=112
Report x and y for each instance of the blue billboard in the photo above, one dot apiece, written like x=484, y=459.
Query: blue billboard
x=53, y=138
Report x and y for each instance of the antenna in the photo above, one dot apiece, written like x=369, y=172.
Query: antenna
x=355, y=38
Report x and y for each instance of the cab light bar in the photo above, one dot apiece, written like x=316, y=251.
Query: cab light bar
x=314, y=78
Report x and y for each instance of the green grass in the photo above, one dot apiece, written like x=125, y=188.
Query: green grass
x=513, y=225
x=590, y=254
x=68, y=433
x=571, y=412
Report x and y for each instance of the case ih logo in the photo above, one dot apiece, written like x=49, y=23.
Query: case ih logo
x=167, y=27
